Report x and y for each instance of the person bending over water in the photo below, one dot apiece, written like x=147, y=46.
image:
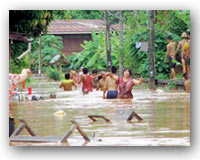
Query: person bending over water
x=67, y=83
x=87, y=81
x=111, y=86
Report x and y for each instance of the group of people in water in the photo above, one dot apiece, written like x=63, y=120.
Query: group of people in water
x=114, y=86
x=183, y=51
x=109, y=83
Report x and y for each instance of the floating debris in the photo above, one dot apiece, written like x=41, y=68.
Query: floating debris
x=60, y=113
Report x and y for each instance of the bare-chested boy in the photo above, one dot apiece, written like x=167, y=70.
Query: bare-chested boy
x=180, y=46
x=171, y=52
x=111, y=86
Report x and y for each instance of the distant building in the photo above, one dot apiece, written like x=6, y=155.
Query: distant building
x=74, y=32
x=16, y=37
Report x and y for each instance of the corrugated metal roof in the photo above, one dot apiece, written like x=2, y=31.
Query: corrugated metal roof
x=77, y=26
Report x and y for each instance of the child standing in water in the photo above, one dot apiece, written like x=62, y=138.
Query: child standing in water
x=67, y=83
x=86, y=79
x=187, y=82
x=94, y=78
x=102, y=81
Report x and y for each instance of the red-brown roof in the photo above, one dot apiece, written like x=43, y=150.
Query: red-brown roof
x=18, y=36
x=77, y=26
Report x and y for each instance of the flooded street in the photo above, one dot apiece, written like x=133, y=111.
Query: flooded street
x=166, y=117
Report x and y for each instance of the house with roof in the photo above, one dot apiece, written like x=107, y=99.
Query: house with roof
x=74, y=32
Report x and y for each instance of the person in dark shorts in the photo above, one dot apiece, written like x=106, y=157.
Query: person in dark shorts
x=171, y=64
x=171, y=53
x=111, y=85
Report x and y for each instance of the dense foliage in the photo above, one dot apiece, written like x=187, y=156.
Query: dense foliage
x=94, y=54
x=31, y=22
x=53, y=74
x=168, y=22
x=51, y=46
x=79, y=14
x=16, y=65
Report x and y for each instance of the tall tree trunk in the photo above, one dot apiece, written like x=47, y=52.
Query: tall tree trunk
x=151, y=51
x=39, y=57
x=108, y=46
x=121, y=44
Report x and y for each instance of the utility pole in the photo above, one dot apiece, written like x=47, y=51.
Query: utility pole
x=39, y=57
x=108, y=46
x=151, y=50
x=121, y=43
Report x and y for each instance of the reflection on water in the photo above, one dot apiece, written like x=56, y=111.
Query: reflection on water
x=166, y=117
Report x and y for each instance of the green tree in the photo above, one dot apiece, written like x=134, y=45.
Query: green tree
x=51, y=46
x=94, y=53
x=31, y=22
x=87, y=14
x=172, y=22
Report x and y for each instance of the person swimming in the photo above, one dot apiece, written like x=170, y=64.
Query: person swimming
x=67, y=83
x=111, y=87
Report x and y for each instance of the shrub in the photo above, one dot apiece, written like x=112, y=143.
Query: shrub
x=53, y=74
x=172, y=84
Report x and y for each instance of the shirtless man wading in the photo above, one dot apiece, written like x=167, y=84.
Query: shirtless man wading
x=180, y=47
x=111, y=86
x=171, y=52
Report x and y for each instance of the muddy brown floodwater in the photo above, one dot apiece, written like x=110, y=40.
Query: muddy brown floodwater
x=166, y=117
